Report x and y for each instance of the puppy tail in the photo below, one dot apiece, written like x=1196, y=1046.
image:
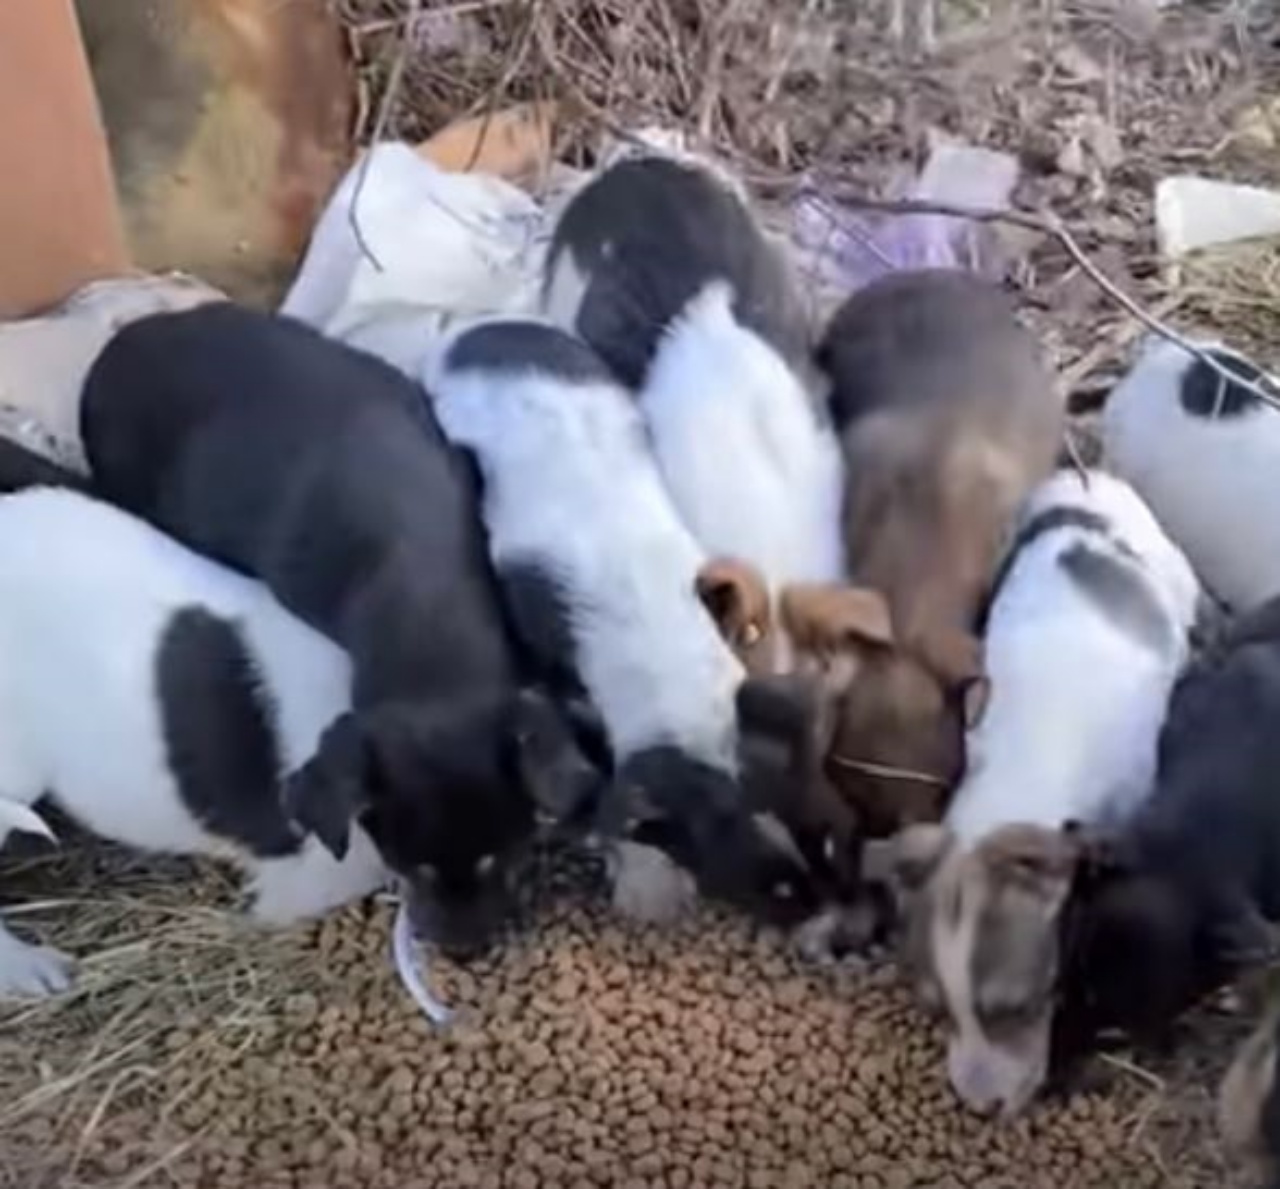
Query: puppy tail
x=20, y=818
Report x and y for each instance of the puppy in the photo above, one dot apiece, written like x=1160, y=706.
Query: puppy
x=164, y=702
x=1087, y=632
x=602, y=580
x=319, y=470
x=661, y=266
x=1205, y=454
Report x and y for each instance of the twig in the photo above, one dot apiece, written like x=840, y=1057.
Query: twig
x=1049, y=224
x=390, y=97
x=407, y=22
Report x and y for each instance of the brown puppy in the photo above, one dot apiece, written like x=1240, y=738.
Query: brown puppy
x=948, y=418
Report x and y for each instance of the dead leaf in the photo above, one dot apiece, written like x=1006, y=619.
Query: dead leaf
x=1071, y=158
x=1073, y=61
x=1104, y=143
x=514, y=143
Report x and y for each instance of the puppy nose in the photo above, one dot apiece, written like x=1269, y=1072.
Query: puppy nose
x=977, y=1087
x=462, y=952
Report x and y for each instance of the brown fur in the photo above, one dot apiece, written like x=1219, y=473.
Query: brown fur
x=948, y=418
x=735, y=595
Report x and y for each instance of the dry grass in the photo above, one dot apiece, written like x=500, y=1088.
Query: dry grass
x=165, y=964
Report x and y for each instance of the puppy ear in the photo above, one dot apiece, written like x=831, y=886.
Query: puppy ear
x=955, y=658
x=332, y=788
x=550, y=766
x=826, y=619
x=1042, y=863
x=736, y=597
x=910, y=857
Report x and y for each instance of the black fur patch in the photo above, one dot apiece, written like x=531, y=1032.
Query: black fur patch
x=220, y=733
x=1118, y=590
x=539, y=616
x=21, y=468
x=527, y=346
x=1204, y=393
x=648, y=234
x=1048, y=521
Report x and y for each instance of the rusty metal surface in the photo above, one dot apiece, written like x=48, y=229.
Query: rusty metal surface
x=229, y=123
x=59, y=226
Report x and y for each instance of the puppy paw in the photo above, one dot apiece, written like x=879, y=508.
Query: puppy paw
x=286, y=892
x=649, y=887
x=32, y=971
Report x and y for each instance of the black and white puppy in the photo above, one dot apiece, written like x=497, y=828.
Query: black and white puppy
x=662, y=267
x=161, y=700
x=602, y=581
x=1205, y=454
x=317, y=469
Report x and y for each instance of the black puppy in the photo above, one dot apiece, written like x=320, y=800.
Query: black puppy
x=1188, y=894
x=319, y=470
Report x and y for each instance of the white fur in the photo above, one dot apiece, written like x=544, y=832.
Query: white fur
x=1213, y=483
x=570, y=486
x=754, y=472
x=648, y=886
x=1076, y=705
x=85, y=594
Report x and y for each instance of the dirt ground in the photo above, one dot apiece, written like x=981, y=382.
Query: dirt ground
x=195, y=1053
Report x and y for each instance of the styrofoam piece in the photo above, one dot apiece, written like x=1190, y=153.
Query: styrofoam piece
x=1198, y=212
x=407, y=955
x=433, y=247
x=44, y=359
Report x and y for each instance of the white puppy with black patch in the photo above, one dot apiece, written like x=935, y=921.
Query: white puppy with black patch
x=1087, y=632
x=160, y=700
x=1205, y=455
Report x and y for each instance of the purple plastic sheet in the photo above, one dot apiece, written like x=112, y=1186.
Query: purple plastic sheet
x=846, y=248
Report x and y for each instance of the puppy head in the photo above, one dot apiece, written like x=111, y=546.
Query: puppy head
x=448, y=796
x=737, y=598
x=700, y=817
x=897, y=746
x=785, y=730
x=1132, y=954
x=982, y=945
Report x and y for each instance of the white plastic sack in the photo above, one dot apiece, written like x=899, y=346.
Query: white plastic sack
x=44, y=360
x=437, y=247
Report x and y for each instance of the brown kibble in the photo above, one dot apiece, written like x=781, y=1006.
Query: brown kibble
x=593, y=1056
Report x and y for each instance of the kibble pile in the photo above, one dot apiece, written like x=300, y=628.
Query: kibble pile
x=586, y=1054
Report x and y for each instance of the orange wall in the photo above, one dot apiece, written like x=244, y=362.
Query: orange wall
x=59, y=223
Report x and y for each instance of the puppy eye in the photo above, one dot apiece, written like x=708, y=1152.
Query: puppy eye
x=485, y=864
x=783, y=890
x=829, y=848
x=1006, y=1017
x=426, y=873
